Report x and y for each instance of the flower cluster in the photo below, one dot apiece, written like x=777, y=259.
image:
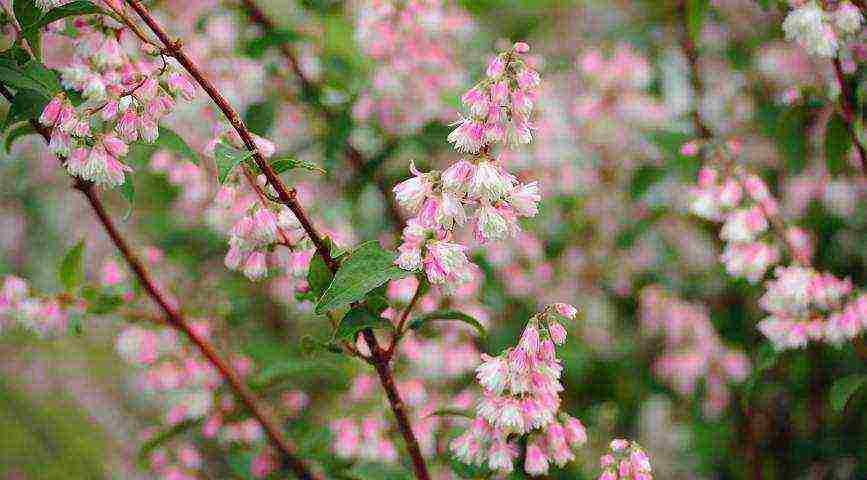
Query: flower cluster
x=263, y=223
x=38, y=315
x=499, y=107
x=188, y=386
x=126, y=89
x=413, y=44
x=820, y=31
x=749, y=251
x=625, y=460
x=693, y=350
x=804, y=305
x=521, y=399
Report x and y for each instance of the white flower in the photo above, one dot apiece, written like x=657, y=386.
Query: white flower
x=412, y=192
x=525, y=199
x=848, y=18
x=492, y=224
x=493, y=373
x=450, y=212
x=490, y=182
x=808, y=26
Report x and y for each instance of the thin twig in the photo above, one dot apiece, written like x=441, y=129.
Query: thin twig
x=288, y=196
x=849, y=115
x=399, y=331
x=177, y=321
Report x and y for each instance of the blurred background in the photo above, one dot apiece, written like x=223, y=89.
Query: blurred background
x=614, y=237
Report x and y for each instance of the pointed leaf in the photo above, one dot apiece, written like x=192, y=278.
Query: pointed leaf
x=26, y=105
x=127, y=189
x=72, y=267
x=357, y=320
x=452, y=412
x=16, y=133
x=284, y=164
x=367, y=267
x=228, y=158
x=17, y=77
x=78, y=7
x=164, y=437
x=844, y=389
x=421, y=320
x=170, y=140
x=837, y=144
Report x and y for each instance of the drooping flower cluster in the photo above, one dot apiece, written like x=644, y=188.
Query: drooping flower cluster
x=413, y=45
x=804, y=304
x=625, y=460
x=821, y=31
x=749, y=250
x=262, y=223
x=476, y=189
x=127, y=90
x=38, y=315
x=188, y=387
x=521, y=400
x=693, y=350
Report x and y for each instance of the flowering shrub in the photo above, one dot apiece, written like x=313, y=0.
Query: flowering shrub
x=253, y=288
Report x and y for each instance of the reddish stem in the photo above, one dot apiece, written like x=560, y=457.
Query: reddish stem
x=849, y=115
x=378, y=357
x=177, y=321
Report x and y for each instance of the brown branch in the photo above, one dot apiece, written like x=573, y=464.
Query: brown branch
x=177, y=321
x=849, y=114
x=690, y=50
x=288, y=196
x=399, y=331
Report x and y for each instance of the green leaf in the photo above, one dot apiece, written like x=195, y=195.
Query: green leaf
x=164, y=437
x=318, y=274
x=228, y=158
x=376, y=303
x=71, y=9
x=837, y=144
x=272, y=38
x=104, y=304
x=420, y=321
x=16, y=133
x=377, y=471
x=260, y=117
x=140, y=152
x=127, y=190
x=21, y=77
x=844, y=389
x=463, y=470
x=696, y=10
x=283, y=164
x=452, y=412
x=26, y=105
x=27, y=13
x=789, y=132
x=170, y=140
x=356, y=320
x=368, y=267
x=72, y=267
x=76, y=323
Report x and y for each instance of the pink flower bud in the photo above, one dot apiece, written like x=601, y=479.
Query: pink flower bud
x=521, y=47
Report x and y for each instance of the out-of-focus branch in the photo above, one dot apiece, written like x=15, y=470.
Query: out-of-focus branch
x=355, y=158
x=176, y=320
x=288, y=196
x=849, y=114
